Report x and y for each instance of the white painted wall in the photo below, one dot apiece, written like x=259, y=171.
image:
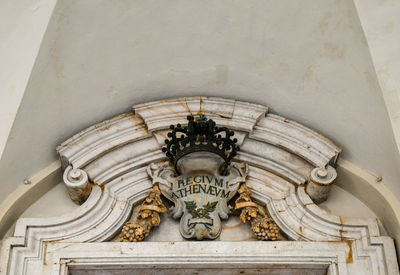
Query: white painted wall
x=306, y=60
x=22, y=27
x=381, y=24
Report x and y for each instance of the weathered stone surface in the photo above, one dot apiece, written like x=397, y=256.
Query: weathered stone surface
x=115, y=154
x=77, y=183
x=320, y=183
x=200, y=194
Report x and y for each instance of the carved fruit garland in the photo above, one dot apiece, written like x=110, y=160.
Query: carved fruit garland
x=147, y=218
x=263, y=227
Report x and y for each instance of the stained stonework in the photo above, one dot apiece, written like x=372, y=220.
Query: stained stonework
x=147, y=218
x=281, y=156
x=200, y=179
x=200, y=197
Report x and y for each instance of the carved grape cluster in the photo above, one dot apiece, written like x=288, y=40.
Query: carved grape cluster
x=147, y=218
x=265, y=229
x=263, y=226
x=133, y=232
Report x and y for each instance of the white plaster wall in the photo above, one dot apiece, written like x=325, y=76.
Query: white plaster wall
x=306, y=60
x=381, y=24
x=55, y=202
x=22, y=27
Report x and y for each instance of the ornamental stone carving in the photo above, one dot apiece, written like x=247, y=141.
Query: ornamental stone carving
x=148, y=217
x=77, y=183
x=200, y=194
x=200, y=180
x=320, y=183
x=279, y=174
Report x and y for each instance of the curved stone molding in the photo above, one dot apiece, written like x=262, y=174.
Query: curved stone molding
x=98, y=139
x=237, y=115
x=297, y=139
x=276, y=160
x=115, y=155
x=105, y=212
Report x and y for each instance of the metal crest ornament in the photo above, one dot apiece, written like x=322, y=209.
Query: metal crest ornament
x=200, y=135
x=200, y=179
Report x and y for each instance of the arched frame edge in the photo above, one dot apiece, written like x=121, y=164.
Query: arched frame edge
x=352, y=178
x=365, y=187
x=26, y=194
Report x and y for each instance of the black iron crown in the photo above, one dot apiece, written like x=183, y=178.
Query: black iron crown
x=200, y=135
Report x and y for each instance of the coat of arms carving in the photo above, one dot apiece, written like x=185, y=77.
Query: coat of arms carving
x=200, y=178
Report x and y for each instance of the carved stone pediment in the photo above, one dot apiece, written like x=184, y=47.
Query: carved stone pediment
x=107, y=164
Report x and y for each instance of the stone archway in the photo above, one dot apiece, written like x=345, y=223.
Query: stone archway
x=105, y=167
